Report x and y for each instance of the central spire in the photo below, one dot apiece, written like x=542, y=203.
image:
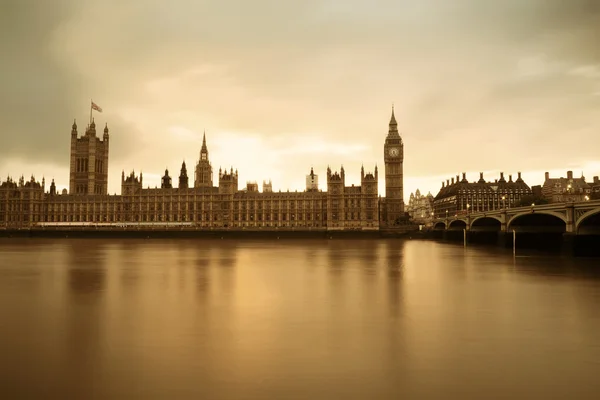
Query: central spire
x=393, y=118
x=393, y=130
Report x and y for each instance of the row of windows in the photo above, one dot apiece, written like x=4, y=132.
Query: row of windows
x=83, y=164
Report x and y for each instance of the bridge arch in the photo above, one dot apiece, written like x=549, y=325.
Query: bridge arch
x=487, y=222
x=439, y=226
x=562, y=217
x=457, y=224
x=589, y=222
x=543, y=220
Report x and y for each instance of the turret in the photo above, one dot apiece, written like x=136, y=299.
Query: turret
x=91, y=131
x=74, y=129
x=183, y=178
x=166, y=181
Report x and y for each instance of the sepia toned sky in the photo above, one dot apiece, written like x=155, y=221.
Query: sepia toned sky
x=283, y=86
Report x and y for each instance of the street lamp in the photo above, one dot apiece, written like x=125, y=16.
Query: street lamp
x=503, y=201
x=468, y=206
x=587, y=198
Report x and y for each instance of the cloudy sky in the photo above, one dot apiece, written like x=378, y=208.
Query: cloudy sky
x=281, y=85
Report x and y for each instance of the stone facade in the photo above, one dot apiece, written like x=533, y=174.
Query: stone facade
x=559, y=190
x=420, y=208
x=89, y=162
x=393, y=155
x=340, y=207
x=595, y=189
x=460, y=196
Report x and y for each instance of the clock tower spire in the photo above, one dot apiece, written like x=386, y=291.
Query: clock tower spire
x=393, y=155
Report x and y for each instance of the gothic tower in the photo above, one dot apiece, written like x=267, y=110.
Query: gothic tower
x=393, y=155
x=166, y=181
x=204, y=174
x=89, y=162
x=183, y=178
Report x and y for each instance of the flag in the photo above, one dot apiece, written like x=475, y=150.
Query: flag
x=96, y=107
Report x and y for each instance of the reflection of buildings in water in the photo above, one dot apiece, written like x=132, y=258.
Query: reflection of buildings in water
x=224, y=275
x=85, y=269
x=370, y=254
x=203, y=258
x=336, y=256
x=394, y=258
x=84, y=306
x=228, y=254
x=311, y=254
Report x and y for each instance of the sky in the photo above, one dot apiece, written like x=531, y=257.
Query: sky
x=282, y=86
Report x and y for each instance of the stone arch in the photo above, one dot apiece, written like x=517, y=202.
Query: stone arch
x=592, y=215
x=562, y=217
x=487, y=222
x=486, y=218
x=553, y=220
x=457, y=224
x=439, y=226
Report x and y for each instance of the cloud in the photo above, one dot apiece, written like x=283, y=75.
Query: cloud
x=477, y=85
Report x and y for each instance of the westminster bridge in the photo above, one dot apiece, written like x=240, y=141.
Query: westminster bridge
x=572, y=227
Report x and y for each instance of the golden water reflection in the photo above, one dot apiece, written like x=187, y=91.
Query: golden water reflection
x=293, y=319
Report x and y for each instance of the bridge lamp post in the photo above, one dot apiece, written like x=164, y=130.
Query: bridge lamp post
x=468, y=206
x=587, y=198
x=504, y=202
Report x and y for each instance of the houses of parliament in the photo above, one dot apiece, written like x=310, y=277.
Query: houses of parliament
x=194, y=200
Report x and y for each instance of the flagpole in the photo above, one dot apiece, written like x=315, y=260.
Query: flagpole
x=91, y=101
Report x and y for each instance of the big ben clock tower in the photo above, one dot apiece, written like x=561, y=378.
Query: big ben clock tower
x=393, y=155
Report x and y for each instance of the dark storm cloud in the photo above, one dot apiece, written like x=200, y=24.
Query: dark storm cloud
x=35, y=91
x=40, y=97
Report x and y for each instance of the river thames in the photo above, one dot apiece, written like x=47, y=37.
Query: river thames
x=294, y=319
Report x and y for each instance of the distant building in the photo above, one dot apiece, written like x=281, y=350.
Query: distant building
x=312, y=181
x=596, y=189
x=251, y=187
x=461, y=196
x=559, y=190
x=420, y=208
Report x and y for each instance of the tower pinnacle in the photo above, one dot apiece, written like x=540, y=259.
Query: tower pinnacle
x=393, y=122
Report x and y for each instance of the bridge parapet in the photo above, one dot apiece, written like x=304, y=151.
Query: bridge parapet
x=572, y=213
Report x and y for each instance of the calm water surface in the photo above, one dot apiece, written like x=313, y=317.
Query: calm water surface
x=95, y=319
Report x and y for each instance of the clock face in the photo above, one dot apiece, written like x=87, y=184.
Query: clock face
x=394, y=151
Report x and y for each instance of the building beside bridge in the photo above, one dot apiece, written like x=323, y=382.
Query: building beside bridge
x=595, y=189
x=562, y=189
x=459, y=196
